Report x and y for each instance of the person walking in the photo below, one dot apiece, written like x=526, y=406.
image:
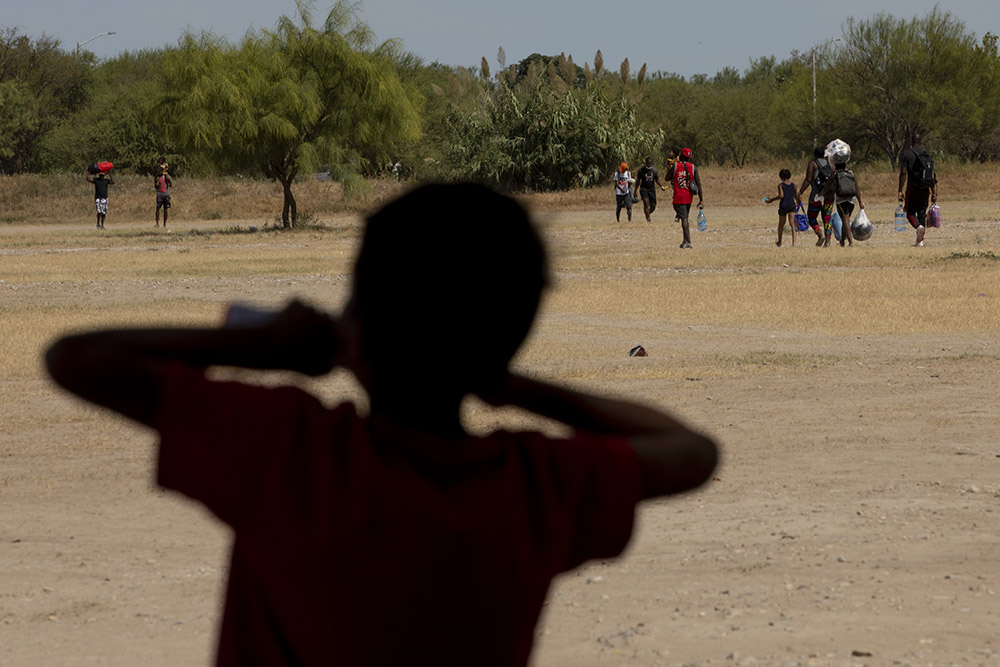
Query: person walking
x=818, y=172
x=648, y=179
x=101, y=181
x=162, y=183
x=917, y=186
x=686, y=181
x=623, y=191
x=843, y=186
x=789, y=198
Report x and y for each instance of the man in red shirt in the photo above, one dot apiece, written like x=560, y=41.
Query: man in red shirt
x=393, y=538
x=686, y=182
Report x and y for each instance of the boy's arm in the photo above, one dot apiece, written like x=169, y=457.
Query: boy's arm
x=673, y=458
x=826, y=188
x=125, y=369
x=810, y=170
x=902, y=178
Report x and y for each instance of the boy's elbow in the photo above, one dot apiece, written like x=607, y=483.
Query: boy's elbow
x=73, y=364
x=698, y=460
x=677, y=463
x=704, y=460
x=62, y=362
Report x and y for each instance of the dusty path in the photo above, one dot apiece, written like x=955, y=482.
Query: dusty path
x=855, y=519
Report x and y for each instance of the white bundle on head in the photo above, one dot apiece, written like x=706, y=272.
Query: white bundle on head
x=838, y=152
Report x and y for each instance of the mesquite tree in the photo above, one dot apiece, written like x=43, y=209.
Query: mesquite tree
x=291, y=100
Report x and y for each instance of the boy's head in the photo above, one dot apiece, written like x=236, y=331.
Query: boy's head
x=819, y=152
x=784, y=174
x=446, y=287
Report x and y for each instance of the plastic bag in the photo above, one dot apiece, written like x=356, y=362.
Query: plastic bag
x=837, y=225
x=861, y=226
x=801, y=219
x=934, y=216
x=838, y=152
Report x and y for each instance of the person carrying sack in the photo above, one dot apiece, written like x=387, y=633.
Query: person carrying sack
x=843, y=186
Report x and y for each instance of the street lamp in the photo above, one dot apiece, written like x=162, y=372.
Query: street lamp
x=105, y=34
x=814, y=49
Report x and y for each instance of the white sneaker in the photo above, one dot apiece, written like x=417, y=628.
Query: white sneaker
x=919, y=244
x=920, y=235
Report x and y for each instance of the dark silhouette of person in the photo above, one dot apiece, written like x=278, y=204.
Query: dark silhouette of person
x=915, y=195
x=393, y=537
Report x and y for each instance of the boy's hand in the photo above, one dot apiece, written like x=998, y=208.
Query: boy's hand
x=306, y=340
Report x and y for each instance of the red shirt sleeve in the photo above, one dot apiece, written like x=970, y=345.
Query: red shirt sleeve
x=596, y=485
x=214, y=446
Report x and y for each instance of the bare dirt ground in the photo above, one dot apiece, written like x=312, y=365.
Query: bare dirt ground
x=855, y=518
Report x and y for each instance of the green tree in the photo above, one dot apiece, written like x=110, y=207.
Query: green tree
x=669, y=104
x=903, y=76
x=291, y=100
x=972, y=130
x=733, y=121
x=116, y=124
x=20, y=120
x=542, y=135
x=40, y=85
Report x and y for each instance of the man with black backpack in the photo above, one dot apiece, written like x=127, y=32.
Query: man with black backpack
x=843, y=186
x=818, y=172
x=917, y=185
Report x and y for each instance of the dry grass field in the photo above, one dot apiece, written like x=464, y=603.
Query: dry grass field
x=855, y=518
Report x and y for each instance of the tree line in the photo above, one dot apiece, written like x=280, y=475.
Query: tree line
x=313, y=95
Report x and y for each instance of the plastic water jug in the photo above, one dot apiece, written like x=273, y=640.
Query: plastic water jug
x=901, y=222
x=702, y=221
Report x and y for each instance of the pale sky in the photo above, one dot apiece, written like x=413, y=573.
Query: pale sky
x=695, y=36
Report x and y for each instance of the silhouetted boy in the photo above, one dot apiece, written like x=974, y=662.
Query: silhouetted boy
x=393, y=538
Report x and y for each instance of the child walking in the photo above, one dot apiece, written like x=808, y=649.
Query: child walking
x=788, y=195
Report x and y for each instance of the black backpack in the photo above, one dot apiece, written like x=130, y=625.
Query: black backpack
x=922, y=170
x=823, y=172
x=846, y=184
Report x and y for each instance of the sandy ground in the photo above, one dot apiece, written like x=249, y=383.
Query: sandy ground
x=855, y=518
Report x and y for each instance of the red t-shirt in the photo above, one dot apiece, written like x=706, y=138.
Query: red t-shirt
x=683, y=175
x=362, y=544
